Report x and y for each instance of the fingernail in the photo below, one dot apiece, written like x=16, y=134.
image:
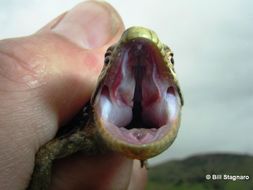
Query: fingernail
x=89, y=25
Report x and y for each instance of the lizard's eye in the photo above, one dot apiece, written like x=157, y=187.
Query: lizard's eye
x=107, y=59
x=171, y=57
x=108, y=55
x=172, y=60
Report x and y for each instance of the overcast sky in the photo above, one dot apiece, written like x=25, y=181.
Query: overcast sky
x=213, y=47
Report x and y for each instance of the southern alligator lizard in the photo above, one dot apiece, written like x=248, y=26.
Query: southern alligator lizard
x=134, y=110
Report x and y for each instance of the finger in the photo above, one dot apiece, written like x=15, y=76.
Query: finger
x=138, y=178
x=108, y=171
x=45, y=78
x=85, y=34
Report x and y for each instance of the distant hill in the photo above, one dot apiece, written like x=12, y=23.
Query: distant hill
x=190, y=173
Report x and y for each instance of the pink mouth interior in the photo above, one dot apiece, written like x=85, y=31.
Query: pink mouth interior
x=137, y=102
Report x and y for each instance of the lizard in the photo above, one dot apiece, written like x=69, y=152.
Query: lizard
x=135, y=108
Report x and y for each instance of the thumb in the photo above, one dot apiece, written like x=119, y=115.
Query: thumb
x=79, y=40
x=47, y=77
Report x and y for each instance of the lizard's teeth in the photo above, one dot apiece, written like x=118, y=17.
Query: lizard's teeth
x=135, y=136
x=142, y=135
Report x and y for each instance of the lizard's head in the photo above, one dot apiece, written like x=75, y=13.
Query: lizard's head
x=138, y=101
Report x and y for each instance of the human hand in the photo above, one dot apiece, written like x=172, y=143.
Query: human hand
x=45, y=78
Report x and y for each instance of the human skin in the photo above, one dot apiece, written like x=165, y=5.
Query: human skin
x=45, y=78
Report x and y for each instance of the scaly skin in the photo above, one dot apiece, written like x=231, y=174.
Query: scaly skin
x=87, y=133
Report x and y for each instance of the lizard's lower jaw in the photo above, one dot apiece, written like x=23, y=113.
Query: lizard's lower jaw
x=138, y=104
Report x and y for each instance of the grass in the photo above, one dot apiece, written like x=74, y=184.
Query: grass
x=189, y=174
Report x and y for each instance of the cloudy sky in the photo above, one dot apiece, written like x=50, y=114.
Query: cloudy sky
x=213, y=46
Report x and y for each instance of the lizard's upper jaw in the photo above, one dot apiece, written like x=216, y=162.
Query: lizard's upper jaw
x=137, y=102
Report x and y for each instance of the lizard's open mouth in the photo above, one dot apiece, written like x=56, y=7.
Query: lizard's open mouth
x=137, y=102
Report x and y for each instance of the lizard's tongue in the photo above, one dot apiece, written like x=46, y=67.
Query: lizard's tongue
x=137, y=102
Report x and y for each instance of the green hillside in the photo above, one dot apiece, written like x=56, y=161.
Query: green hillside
x=190, y=173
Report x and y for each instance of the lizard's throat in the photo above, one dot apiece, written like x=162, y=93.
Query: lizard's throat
x=137, y=102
